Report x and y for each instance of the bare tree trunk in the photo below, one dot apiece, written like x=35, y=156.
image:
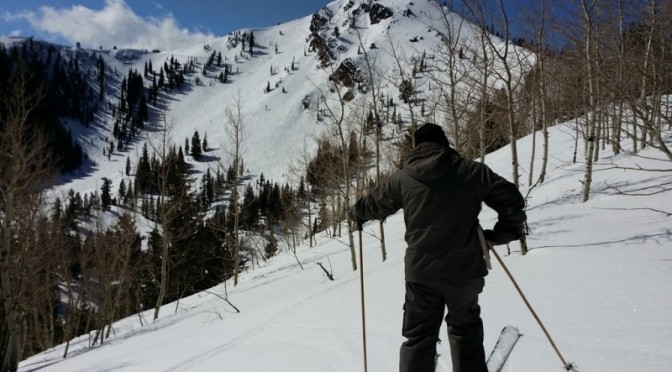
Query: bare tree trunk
x=544, y=123
x=236, y=133
x=339, y=125
x=576, y=139
x=484, y=94
x=645, y=75
x=618, y=118
x=300, y=169
x=166, y=214
x=534, y=143
x=310, y=227
x=511, y=109
x=592, y=123
x=375, y=91
x=543, y=88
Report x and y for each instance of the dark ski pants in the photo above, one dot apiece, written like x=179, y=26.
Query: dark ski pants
x=423, y=313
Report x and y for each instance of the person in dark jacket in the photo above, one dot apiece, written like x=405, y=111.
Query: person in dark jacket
x=441, y=193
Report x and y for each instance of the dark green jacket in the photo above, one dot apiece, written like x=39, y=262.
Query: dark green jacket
x=441, y=194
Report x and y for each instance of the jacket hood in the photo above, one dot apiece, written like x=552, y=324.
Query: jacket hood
x=430, y=161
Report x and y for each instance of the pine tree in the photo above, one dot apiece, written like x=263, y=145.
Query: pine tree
x=271, y=248
x=122, y=191
x=250, y=208
x=128, y=166
x=162, y=79
x=105, y=195
x=251, y=42
x=196, y=151
x=143, y=172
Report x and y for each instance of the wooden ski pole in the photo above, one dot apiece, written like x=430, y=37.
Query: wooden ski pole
x=568, y=366
x=361, y=285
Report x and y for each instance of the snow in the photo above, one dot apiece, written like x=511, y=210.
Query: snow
x=598, y=273
x=275, y=122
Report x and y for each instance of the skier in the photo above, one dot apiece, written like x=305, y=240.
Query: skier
x=441, y=194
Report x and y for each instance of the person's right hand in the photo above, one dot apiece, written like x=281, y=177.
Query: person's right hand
x=499, y=235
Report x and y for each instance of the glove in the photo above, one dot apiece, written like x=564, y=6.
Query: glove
x=500, y=235
x=493, y=238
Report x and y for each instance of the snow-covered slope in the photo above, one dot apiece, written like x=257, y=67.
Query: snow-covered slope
x=277, y=127
x=597, y=273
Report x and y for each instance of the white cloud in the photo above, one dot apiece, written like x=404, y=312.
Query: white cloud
x=115, y=24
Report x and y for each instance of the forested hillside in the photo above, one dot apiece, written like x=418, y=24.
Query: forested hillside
x=133, y=178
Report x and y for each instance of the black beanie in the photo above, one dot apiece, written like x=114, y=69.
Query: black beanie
x=431, y=133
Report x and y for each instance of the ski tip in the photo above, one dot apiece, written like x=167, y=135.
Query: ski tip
x=510, y=328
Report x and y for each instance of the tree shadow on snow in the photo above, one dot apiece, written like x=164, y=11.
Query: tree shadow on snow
x=663, y=238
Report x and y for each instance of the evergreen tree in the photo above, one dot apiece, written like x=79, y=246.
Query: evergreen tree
x=251, y=42
x=196, y=151
x=207, y=190
x=105, y=195
x=155, y=90
x=162, y=79
x=128, y=166
x=143, y=172
x=122, y=191
x=275, y=204
x=405, y=90
x=250, y=209
x=271, y=248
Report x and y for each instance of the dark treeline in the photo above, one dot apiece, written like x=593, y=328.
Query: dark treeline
x=64, y=92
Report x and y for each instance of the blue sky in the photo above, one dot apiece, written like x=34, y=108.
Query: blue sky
x=157, y=24
x=102, y=22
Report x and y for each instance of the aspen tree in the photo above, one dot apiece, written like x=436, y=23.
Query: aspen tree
x=374, y=78
x=332, y=103
x=236, y=133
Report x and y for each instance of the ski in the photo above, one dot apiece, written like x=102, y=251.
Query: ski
x=507, y=340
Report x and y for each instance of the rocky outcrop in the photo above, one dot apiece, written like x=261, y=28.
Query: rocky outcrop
x=378, y=13
x=347, y=74
x=317, y=22
x=318, y=25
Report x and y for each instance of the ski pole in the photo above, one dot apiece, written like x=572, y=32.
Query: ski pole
x=567, y=366
x=361, y=285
